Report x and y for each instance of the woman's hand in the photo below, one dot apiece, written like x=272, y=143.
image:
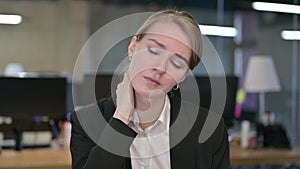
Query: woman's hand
x=125, y=100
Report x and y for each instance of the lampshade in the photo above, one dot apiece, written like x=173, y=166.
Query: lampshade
x=261, y=75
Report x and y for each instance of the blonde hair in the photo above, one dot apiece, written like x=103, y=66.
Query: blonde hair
x=186, y=22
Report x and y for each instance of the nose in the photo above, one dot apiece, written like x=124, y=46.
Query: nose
x=158, y=70
x=161, y=66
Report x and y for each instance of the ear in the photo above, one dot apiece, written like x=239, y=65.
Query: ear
x=131, y=46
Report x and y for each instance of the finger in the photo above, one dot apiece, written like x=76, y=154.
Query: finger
x=126, y=77
x=129, y=88
x=125, y=101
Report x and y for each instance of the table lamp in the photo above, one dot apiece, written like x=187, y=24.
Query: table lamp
x=261, y=77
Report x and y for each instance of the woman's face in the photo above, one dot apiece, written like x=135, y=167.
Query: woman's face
x=159, y=60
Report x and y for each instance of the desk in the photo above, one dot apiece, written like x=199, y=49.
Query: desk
x=266, y=156
x=47, y=158
x=40, y=158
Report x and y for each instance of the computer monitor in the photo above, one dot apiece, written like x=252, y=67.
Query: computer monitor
x=100, y=83
x=26, y=99
x=204, y=86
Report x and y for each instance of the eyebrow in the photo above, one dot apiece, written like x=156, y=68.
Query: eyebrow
x=164, y=47
x=158, y=43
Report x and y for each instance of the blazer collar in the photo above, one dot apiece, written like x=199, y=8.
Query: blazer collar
x=180, y=120
x=182, y=153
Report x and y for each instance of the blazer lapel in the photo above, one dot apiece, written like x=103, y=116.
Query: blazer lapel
x=182, y=142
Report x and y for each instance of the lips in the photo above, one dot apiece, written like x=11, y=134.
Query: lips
x=152, y=81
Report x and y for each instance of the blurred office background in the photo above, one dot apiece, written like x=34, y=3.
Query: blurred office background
x=53, y=32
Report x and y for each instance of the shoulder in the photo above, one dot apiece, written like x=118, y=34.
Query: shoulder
x=93, y=118
x=104, y=107
x=208, y=125
x=211, y=131
x=107, y=107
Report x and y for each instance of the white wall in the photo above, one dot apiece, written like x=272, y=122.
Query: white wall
x=49, y=37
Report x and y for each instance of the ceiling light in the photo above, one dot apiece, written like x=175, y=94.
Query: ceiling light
x=218, y=30
x=275, y=7
x=290, y=35
x=10, y=19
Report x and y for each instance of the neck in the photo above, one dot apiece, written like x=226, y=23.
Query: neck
x=141, y=103
x=146, y=125
x=149, y=111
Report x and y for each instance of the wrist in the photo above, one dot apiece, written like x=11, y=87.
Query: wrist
x=119, y=116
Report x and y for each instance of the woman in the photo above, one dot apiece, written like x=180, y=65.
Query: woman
x=139, y=133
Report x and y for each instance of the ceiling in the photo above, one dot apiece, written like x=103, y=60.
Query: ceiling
x=207, y=4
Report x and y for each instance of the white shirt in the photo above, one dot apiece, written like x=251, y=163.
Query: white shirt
x=151, y=147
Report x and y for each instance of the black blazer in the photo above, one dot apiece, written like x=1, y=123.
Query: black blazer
x=88, y=127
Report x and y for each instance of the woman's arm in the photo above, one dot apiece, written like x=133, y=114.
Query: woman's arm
x=112, y=150
x=221, y=159
x=81, y=144
x=214, y=152
x=87, y=154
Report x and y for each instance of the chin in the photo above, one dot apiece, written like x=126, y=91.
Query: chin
x=143, y=92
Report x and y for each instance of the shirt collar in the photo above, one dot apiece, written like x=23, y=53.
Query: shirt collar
x=164, y=117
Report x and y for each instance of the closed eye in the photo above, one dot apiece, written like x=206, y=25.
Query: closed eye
x=154, y=51
x=177, y=62
x=176, y=65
